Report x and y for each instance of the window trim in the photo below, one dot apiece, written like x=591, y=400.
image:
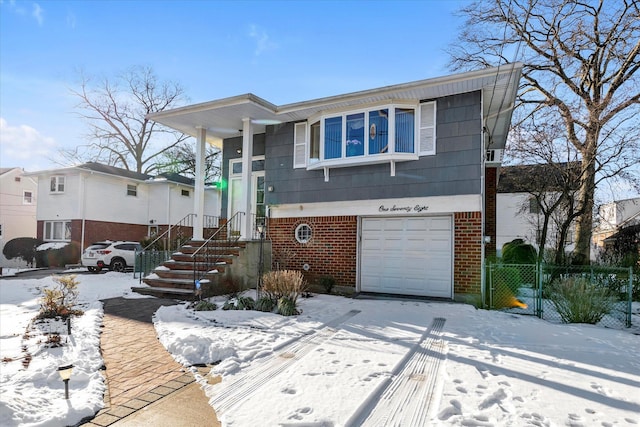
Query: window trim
x=298, y=229
x=60, y=181
x=24, y=197
x=50, y=236
x=132, y=190
x=302, y=132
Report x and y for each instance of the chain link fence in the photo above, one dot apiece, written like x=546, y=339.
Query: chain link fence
x=567, y=294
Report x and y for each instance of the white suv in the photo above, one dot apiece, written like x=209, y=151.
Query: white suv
x=116, y=256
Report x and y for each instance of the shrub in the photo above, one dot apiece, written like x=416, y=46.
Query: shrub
x=58, y=257
x=239, y=303
x=283, y=283
x=23, y=248
x=578, y=301
x=205, y=305
x=265, y=304
x=287, y=307
x=61, y=300
x=518, y=252
x=327, y=282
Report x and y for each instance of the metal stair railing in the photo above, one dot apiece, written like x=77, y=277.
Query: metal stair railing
x=161, y=248
x=207, y=256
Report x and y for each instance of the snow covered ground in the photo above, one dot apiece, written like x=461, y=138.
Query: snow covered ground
x=341, y=362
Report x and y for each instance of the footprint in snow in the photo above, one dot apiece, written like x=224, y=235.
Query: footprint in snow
x=300, y=413
x=288, y=391
x=453, y=409
x=461, y=389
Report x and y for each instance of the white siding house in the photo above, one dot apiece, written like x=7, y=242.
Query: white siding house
x=92, y=202
x=17, y=209
x=518, y=214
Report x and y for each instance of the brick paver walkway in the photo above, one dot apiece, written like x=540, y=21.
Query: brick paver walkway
x=136, y=361
x=139, y=371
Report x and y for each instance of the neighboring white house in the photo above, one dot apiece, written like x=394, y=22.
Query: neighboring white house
x=92, y=202
x=17, y=209
x=518, y=214
x=613, y=216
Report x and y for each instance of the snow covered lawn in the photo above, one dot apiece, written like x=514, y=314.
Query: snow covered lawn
x=341, y=362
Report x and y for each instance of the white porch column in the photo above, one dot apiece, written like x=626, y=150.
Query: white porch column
x=198, y=191
x=246, y=227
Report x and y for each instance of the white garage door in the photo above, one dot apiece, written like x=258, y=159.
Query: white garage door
x=407, y=255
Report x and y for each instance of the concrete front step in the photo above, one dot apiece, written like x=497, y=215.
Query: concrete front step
x=179, y=256
x=184, y=274
x=216, y=243
x=182, y=265
x=229, y=250
x=159, y=282
x=165, y=292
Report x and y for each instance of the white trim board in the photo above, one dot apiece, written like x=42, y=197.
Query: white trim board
x=381, y=207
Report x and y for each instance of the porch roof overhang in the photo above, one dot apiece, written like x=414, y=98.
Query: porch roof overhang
x=223, y=118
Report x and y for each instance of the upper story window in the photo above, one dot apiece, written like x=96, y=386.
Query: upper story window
x=27, y=198
x=132, y=190
x=57, y=184
x=185, y=193
x=390, y=132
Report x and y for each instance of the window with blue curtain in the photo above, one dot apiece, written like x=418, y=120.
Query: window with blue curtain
x=378, y=131
x=333, y=138
x=355, y=135
x=405, y=123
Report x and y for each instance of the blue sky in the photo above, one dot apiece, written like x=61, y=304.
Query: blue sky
x=282, y=51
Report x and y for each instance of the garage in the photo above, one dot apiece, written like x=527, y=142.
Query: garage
x=407, y=255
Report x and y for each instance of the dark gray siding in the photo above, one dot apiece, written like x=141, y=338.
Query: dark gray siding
x=455, y=169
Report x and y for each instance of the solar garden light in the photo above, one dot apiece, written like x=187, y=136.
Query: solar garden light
x=65, y=374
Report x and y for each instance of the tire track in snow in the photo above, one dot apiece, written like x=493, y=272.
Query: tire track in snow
x=254, y=379
x=405, y=398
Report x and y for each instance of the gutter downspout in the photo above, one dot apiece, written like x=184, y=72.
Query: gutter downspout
x=83, y=179
x=483, y=158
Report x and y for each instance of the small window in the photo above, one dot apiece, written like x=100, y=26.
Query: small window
x=534, y=206
x=17, y=179
x=0, y=231
x=27, y=198
x=132, y=190
x=185, y=193
x=303, y=233
x=57, y=184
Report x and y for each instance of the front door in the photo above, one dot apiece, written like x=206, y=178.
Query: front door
x=236, y=190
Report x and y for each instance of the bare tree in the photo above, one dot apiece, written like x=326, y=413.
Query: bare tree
x=181, y=159
x=115, y=111
x=552, y=178
x=581, y=61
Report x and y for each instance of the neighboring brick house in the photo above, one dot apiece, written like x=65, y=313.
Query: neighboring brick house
x=92, y=202
x=17, y=210
x=388, y=190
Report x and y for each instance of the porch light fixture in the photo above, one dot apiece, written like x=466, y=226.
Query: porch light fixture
x=65, y=374
x=239, y=151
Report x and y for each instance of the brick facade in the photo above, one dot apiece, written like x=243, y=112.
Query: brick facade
x=101, y=230
x=467, y=252
x=332, y=249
